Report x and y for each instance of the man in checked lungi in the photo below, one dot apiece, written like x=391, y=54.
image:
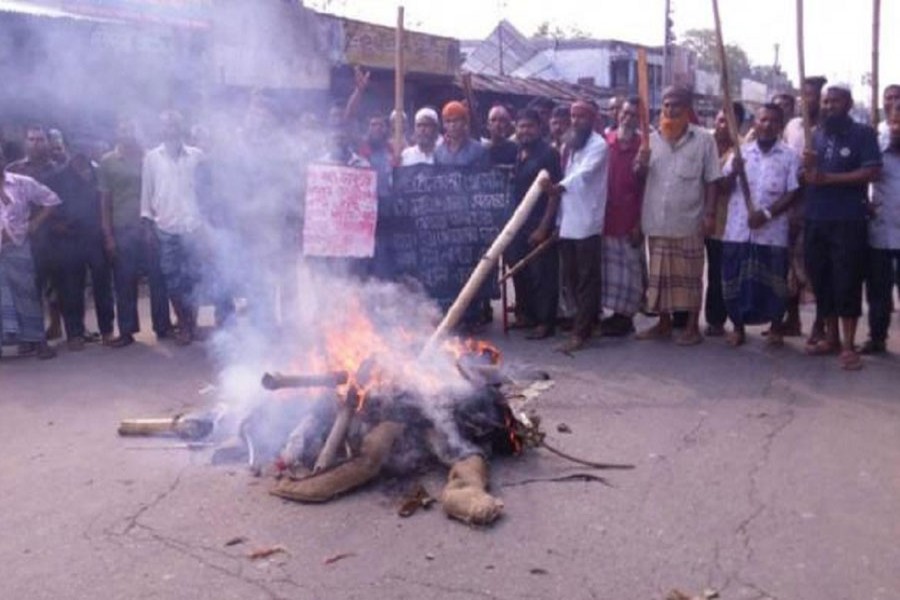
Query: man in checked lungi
x=681, y=168
x=19, y=194
x=623, y=245
x=755, y=243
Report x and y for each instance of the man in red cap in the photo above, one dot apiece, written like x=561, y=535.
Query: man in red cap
x=459, y=149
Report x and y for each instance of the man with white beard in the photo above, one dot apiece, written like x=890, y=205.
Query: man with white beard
x=582, y=207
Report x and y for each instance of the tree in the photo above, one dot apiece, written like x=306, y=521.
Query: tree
x=703, y=43
x=554, y=32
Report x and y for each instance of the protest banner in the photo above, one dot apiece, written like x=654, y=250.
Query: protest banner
x=440, y=221
x=341, y=212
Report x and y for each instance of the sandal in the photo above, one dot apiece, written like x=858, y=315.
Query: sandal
x=850, y=360
x=654, y=333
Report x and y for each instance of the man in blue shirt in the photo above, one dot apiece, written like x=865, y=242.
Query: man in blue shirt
x=844, y=160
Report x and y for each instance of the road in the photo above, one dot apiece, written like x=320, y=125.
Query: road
x=760, y=474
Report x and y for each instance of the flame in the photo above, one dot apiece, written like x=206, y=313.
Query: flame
x=472, y=347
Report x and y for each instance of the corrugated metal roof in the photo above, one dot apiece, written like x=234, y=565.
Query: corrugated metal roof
x=533, y=87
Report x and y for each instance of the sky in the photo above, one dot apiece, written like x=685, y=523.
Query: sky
x=838, y=38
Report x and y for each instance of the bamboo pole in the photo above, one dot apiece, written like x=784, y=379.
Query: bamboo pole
x=728, y=109
x=876, y=37
x=489, y=260
x=801, y=73
x=644, y=94
x=338, y=433
x=526, y=260
x=399, y=76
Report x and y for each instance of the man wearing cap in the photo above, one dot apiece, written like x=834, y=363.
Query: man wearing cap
x=427, y=126
x=459, y=149
x=843, y=161
x=681, y=168
x=583, y=192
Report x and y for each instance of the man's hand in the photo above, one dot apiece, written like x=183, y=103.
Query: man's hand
x=109, y=245
x=636, y=237
x=709, y=224
x=757, y=219
x=361, y=78
x=809, y=160
x=815, y=177
x=737, y=166
x=538, y=236
x=642, y=162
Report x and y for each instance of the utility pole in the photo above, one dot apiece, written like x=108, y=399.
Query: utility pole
x=669, y=38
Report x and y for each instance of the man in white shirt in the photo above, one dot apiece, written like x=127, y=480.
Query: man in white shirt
x=755, y=244
x=427, y=128
x=891, y=99
x=171, y=212
x=583, y=192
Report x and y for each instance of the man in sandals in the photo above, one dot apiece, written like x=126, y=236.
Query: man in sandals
x=755, y=255
x=843, y=161
x=681, y=168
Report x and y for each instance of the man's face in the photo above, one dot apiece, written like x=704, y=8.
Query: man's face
x=835, y=103
x=378, y=130
x=628, y=117
x=125, y=132
x=768, y=125
x=171, y=129
x=894, y=126
x=455, y=128
x=37, y=146
x=721, y=130
x=426, y=133
x=812, y=97
x=786, y=103
x=559, y=126
x=498, y=123
x=674, y=107
x=528, y=131
x=583, y=120
x=891, y=99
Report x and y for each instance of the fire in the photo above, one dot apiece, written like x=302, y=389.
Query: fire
x=475, y=348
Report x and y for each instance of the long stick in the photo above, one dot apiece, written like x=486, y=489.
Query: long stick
x=489, y=260
x=399, y=67
x=526, y=260
x=876, y=36
x=328, y=453
x=644, y=94
x=801, y=73
x=728, y=109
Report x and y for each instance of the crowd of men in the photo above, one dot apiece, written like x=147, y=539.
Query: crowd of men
x=635, y=223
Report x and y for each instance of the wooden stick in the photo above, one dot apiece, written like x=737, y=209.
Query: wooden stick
x=489, y=260
x=535, y=252
x=801, y=73
x=277, y=381
x=399, y=75
x=876, y=36
x=644, y=94
x=728, y=109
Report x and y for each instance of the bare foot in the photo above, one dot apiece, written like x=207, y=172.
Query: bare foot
x=689, y=338
x=736, y=338
x=657, y=332
x=574, y=344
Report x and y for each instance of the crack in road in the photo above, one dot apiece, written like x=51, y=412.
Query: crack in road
x=449, y=589
x=132, y=520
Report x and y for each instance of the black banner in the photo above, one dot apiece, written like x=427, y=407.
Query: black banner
x=439, y=222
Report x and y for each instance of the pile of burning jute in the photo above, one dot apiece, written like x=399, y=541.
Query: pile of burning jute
x=375, y=385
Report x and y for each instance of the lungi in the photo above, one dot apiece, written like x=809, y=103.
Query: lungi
x=754, y=282
x=623, y=275
x=675, y=274
x=18, y=275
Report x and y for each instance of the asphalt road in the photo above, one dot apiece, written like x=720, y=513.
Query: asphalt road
x=760, y=474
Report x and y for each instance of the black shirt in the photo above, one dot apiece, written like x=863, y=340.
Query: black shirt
x=529, y=162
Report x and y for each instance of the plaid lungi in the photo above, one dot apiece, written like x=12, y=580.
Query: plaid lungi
x=754, y=282
x=676, y=274
x=20, y=294
x=622, y=281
